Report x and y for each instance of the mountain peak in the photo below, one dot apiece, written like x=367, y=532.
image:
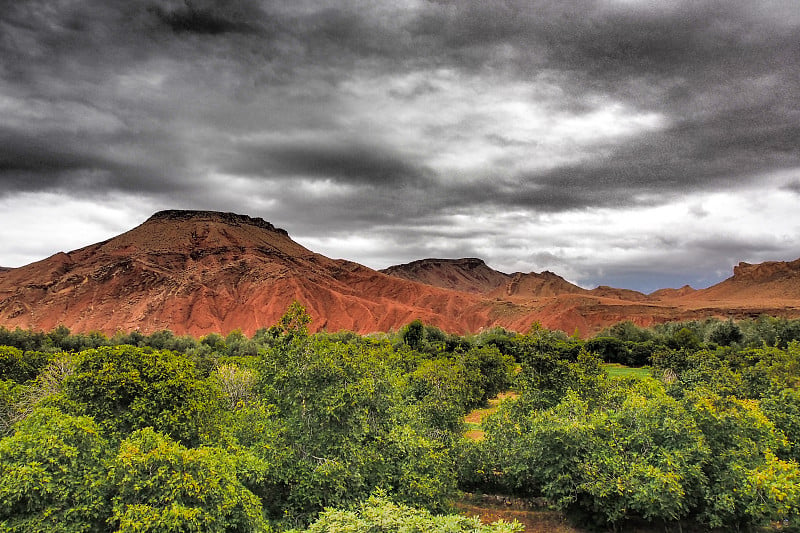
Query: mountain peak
x=232, y=219
x=468, y=274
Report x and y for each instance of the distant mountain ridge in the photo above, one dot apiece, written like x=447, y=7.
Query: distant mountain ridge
x=473, y=275
x=199, y=272
x=469, y=274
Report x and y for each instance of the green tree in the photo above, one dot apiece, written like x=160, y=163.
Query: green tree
x=725, y=333
x=413, y=334
x=782, y=407
x=492, y=371
x=162, y=487
x=20, y=366
x=52, y=475
x=127, y=388
x=293, y=324
x=637, y=454
x=747, y=484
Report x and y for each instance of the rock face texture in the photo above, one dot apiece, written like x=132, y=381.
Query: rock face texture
x=199, y=272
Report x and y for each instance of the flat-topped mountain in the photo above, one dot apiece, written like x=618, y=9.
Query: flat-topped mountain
x=199, y=272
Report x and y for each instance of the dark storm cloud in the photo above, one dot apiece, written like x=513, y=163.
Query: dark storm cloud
x=82, y=164
x=735, y=247
x=793, y=186
x=696, y=62
x=348, y=163
x=214, y=19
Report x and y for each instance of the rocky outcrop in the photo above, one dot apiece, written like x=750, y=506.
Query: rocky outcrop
x=769, y=283
x=667, y=294
x=232, y=219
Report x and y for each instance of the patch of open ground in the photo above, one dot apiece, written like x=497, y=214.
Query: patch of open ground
x=474, y=419
x=534, y=520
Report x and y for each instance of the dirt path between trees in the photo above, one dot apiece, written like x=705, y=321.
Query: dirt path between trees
x=475, y=418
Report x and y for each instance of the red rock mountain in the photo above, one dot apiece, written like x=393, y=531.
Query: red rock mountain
x=199, y=272
x=769, y=288
x=474, y=276
x=466, y=275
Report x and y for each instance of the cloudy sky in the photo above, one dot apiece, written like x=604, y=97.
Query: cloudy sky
x=633, y=143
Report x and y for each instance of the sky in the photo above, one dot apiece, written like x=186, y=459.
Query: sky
x=640, y=144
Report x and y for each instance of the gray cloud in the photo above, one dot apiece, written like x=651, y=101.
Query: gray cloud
x=214, y=18
x=350, y=163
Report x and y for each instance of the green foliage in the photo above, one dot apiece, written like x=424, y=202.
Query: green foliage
x=9, y=395
x=328, y=393
x=725, y=334
x=609, y=349
x=293, y=324
x=440, y=393
x=378, y=514
x=546, y=378
x=126, y=388
x=492, y=371
x=639, y=455
x=685, y=339
x=229, y=430
x=782, y=407
x=52, y=475
x=413, y=334
x=237, y=384
x=160, y=486
x=415, y=469
x=338, y=429
x=507, y=342
x=746, y=481
x=696, y=445
x=19, y=366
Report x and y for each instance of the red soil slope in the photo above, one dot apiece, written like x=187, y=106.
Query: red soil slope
x=199, y=272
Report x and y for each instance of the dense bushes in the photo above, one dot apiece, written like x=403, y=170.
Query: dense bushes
x=379, y=515
x=335, y=431
x=52, y=475
x=712, y=441
x=230, y=433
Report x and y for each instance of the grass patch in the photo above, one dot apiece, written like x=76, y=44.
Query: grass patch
x=616, y=370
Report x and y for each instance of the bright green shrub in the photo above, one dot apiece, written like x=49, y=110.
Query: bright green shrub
x=127, y=388
x=379, y=515
x=163, y=487
x=53, y=475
